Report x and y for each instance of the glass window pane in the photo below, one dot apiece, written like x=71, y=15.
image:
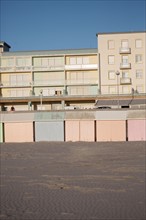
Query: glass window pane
x=51, y=61
x=7, y=62
x=125, y=74
x=44, y=61
x=138, y=43
x=139, y=74
x=124, y=59
x=124, y=44
x=111, y=59
x=58, y=61
x=85, y=60
x=138, y=58
x=79, y=60
x=72, y=60
x=37, y=61
x=111, y=75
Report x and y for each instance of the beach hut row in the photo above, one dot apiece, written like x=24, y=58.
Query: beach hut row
x=75, y=126
x=76, y=130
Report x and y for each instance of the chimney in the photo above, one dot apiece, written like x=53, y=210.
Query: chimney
x=4, y=47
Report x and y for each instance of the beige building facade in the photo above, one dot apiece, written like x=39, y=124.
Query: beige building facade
x=126, y=53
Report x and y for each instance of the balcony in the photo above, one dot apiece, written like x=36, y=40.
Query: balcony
x=81, y=82
x=81, y=67
x=16, y=69
x=125, y=65
x=48, y=83
x=125, y=81
x=125, y=50
x=47, y=68
x=7, y=84
x=30, y=68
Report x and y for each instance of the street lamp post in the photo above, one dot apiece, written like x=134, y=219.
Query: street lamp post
x=118, y=73
x=41, y=97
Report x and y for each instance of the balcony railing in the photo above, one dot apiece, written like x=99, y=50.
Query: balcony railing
x=30, y=68
x=81, y=66
x=14, y=84
x=125, y=65
x=47, y=68
x=51, y=83
x=125, y=80
x=125, y=50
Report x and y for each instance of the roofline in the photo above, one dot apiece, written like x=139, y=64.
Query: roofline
x=53, y=52
x=4, y=43
x=126, y=32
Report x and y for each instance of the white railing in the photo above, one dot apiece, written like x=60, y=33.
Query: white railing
x=125, y=80
x=30, y=68
x=47, y=68
x=14, y=84
x=49, y=83
x=125, y=50
x=125, y=65
x=81, y=66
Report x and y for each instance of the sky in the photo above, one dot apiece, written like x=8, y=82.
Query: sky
x=54, y=25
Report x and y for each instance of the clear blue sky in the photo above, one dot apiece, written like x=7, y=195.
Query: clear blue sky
x=45, y=25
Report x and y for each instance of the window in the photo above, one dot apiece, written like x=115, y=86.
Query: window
x=138, y=58
x=48, y=62
x=79, y=60
x=58, y=61
x=19, y=79
x=124, y=44
x=111, y=44
x=112, y=89
x=7, y=62
x=37, y=62
x=19, y=93
x=138, y=43
x=139, y=74
x=111, y=75
x=125, y=74
x=85, y=60
x=72, y=60
x=111, y=59
x=21, y=61
x=51, y=61
x=45, y=62
x=124, y=59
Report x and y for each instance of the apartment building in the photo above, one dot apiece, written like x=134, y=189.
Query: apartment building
x=51, y=80
x=29, y=76
x=122, y=62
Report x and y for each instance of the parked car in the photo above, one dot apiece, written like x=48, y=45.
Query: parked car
x=102, y=107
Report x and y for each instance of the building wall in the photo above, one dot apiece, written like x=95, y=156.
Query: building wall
x=110, y=45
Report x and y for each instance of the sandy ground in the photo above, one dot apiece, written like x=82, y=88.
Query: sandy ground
x=87, y=181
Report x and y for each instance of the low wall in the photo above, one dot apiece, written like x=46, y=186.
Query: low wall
x=76, y=125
